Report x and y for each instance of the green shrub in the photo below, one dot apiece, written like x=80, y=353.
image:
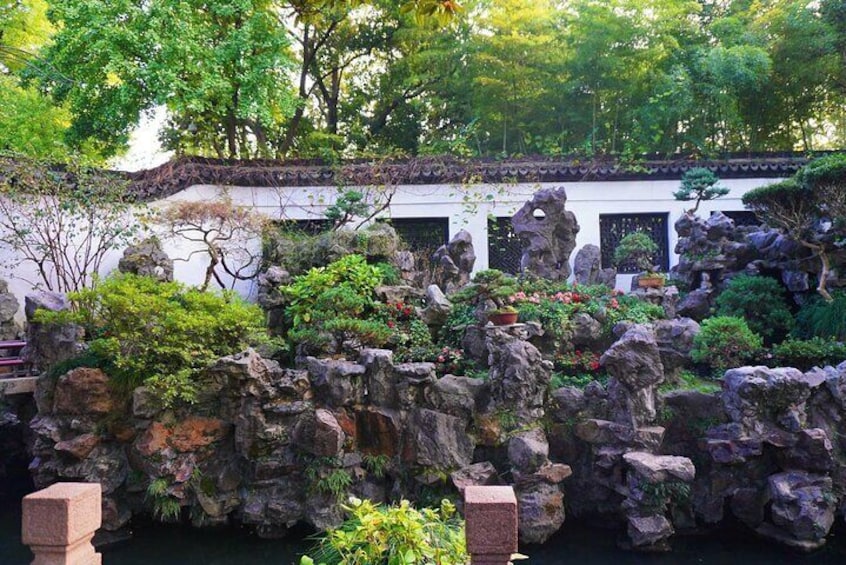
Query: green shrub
x=725, y=342
x=637, y=249
x=819, y=318
x=161, y=334
x=334, y=305
x=393, y=535
x=806, y=354
x=762, y=302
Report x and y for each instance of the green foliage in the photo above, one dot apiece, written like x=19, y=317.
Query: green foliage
x=166, y=507
x=806, y=354
x=461, y=316
x=490, y=284
x=376, y=465
x=578, y=380
x=689, y=380
x=725, y=342
x=818, y=318
x=762, y=302
x=638, y=249
x=349, y=204
x=699, y=184
x=161, y=334
x=393, y=535
x=336, y=483
x=658, y=496
x=336, y=303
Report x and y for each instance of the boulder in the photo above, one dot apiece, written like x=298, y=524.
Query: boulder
x=540, y=507
x=660, y=468
x=49, y=344
x=437, y=307
x=319, y=433
x=438, y=440
x=336, y=382
x=548, y=234
x=587, y=264
x=634, y=362
x=477, y=474
x=83, y=391
x=645, y=531
x=528, y=450
x=455, y=260
x=519, y=376
x=457, y=396
x=675, y=342
x=765, y=400
x=147, y=259
x=79, y=447
x=802, y=511
x=379, y=378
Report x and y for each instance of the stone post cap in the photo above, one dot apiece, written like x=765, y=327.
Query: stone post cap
x=61, y=514
x=490, y=513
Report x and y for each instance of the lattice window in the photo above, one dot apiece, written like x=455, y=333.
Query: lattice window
x=422, y=234
x=613, y=227
x=743, y=217
x=504, y=247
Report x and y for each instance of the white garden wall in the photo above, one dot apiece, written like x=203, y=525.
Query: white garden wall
x=466, y=207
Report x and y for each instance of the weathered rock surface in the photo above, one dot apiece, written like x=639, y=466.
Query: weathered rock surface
x=548, y=233
x=456, y=260
x=147, y=259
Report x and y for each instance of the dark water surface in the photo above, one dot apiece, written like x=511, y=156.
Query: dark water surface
x=172, y=545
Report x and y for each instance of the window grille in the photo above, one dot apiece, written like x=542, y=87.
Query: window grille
x=504, y=247
x=743, y=217
x=422, y=234
x=613, y=227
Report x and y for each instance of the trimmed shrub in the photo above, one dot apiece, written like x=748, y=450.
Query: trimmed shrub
x=725, y=342
x=142, y=331
x=819, y=318
x=809, y=353
x=762, y=302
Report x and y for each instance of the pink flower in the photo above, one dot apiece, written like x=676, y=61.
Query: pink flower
x=441, y=359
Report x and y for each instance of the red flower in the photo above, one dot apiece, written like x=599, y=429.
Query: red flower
x=391, y=324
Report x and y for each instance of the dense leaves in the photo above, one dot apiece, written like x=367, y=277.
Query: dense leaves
x=245, y=78
x=161, y=334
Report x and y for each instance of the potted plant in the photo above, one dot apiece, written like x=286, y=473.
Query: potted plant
x=493, y=286
x=638, y=249
x=503, y=316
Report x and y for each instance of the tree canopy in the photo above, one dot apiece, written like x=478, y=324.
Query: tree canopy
x=339, y=78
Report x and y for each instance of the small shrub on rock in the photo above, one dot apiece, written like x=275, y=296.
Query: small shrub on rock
x=762, y=302
x=809, y=353
x=725, y=342
x=333, y=308
x=160, y=334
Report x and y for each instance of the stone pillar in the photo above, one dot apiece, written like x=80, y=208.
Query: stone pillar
x=490, y=513
x=59, y=522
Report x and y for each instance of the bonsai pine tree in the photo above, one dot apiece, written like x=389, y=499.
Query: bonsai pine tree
x=638, y=249
x=699, y=184
x=800, y=206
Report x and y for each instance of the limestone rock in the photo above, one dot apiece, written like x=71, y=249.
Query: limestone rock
x=675, y=342
x=587, y=264
x=634, y=362
x=477, y=474
x=456, y=260
x=439, y=440
x=644, y=531
x=528, y=450
x=147, y=259
x=519, y=376
x=79, y=447
x=336, y=382
x=660, y=468
x=437, y=307
x=802, y=511
x=540, y=508
x=548, y=234
x=83, y=391
x=457, y=396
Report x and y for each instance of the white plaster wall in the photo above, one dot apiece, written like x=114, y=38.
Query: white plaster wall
x=466, y=207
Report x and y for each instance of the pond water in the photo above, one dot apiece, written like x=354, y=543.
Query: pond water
x=168, y=545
